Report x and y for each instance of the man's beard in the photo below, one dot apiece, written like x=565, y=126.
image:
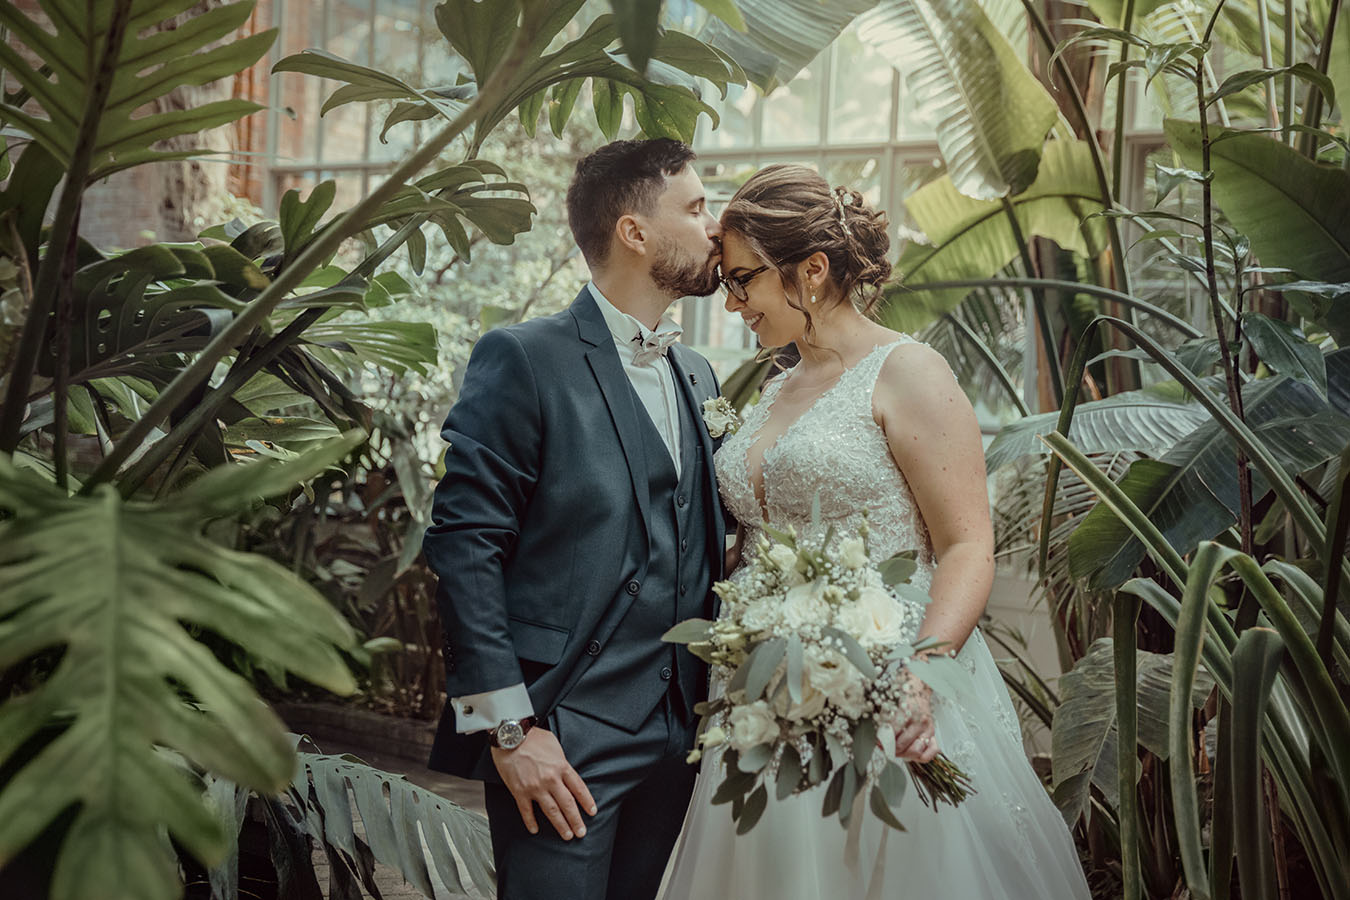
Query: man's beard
x=680, y=275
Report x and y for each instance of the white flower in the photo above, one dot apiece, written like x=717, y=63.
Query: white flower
x=813, y=701
x=720, y=417
x=852, y=701
x=752, y=725
x=713, y=736
x=784, y=557
x=829, y=672
x=853, y=553
x=875, y=620
x=805, y=605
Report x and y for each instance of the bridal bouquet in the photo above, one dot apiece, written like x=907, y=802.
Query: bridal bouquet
x=813, y=646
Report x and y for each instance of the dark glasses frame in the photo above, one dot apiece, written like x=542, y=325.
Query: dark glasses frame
x=735, y=284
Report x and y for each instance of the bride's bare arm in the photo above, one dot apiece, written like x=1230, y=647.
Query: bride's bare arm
x=934, y=437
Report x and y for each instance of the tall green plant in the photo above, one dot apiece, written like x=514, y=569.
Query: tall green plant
x=173, y=357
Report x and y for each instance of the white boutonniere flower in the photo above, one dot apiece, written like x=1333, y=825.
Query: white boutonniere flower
x=720, y=417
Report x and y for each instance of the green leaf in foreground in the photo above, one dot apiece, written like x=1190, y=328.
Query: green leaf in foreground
x=116, y=586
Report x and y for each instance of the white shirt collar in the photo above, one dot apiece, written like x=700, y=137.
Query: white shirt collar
x=625, y=327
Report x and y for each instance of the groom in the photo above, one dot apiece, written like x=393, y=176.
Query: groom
x=578, y=519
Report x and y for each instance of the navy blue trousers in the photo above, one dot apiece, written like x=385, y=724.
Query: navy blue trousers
x=641, y=785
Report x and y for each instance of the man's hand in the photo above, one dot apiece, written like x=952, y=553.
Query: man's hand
x=538, y=772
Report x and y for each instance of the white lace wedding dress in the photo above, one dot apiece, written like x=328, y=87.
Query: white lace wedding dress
x=1007, y=842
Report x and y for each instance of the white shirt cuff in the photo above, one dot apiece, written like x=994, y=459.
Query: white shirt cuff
x=479, y=712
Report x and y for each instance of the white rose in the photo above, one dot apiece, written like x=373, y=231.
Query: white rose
x=720, y=417
x=752, y=725
x=853, y=553
x=805, y=604
x=829, y=672
x=813, y=701
x=875, y=620
x=851, y=702
x=784, y=557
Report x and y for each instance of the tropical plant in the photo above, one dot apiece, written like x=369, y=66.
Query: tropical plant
x=155, y=398
x=1214, y=446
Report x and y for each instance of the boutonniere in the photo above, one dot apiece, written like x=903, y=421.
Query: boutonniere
x=720, y=417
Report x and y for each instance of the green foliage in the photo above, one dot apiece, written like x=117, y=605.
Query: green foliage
x=971, y=239
x=991, y=131
x=1084, y=734
x=116, y=46
x=115, y=587
x=1292, y=209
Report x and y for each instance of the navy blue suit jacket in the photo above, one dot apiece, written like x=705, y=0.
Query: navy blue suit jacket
x=540, y=520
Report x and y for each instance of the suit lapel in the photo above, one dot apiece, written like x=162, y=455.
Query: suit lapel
x=693, y=397
x=617, y=390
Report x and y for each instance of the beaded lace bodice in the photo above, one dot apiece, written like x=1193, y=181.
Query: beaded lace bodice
x=835, y=449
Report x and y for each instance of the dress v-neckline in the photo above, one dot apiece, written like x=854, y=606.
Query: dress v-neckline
x=760, y=490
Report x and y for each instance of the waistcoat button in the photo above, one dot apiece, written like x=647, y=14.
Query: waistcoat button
x=592, y=648
x=633, y=588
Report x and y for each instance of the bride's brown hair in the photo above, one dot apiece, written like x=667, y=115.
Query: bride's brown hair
x=786, y=213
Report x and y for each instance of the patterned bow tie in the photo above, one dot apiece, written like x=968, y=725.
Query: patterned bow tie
x=653, y=345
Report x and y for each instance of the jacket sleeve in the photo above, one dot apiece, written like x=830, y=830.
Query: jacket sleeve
x=491, y=468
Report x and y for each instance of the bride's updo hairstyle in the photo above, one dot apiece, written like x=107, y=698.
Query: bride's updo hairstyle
x=785, y=213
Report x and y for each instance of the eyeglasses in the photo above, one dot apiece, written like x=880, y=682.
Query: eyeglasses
x=735, y=284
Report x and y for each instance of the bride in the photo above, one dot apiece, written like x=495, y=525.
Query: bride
x=873, y=422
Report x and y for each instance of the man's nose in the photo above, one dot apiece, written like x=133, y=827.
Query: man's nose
x=713, y=226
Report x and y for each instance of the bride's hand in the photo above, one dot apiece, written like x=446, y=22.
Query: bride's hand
x=916, y=740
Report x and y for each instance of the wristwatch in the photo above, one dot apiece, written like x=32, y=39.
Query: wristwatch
x=510, y=733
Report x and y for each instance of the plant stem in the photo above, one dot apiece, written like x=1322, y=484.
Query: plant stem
x=1118, y=138
x=1288, y=116
x=1077, y=287
x=52, y=280
x=1042, y=29
x=985, y=353
x=1267, y=61
x=1338, y=523
x=1229, y=364
x=1312, y=116
x=351, y=222
x=1038, y=298
x=1126, y=614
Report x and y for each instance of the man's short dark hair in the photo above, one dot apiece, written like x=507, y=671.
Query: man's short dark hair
x=620, y=178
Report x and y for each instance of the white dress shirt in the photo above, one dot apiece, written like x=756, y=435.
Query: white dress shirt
x=653, y=381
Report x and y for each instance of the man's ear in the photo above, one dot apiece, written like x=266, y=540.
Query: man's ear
x=628, y=231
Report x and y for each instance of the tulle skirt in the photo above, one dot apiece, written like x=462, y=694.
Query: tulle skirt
x=1007, y=842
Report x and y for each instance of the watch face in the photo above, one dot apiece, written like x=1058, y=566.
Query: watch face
x=510, y=735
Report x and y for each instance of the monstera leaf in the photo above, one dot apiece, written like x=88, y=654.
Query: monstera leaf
x=969, y=238
x=663, y=87
x=112, y=43
x=115, y=587
x=124, y=315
